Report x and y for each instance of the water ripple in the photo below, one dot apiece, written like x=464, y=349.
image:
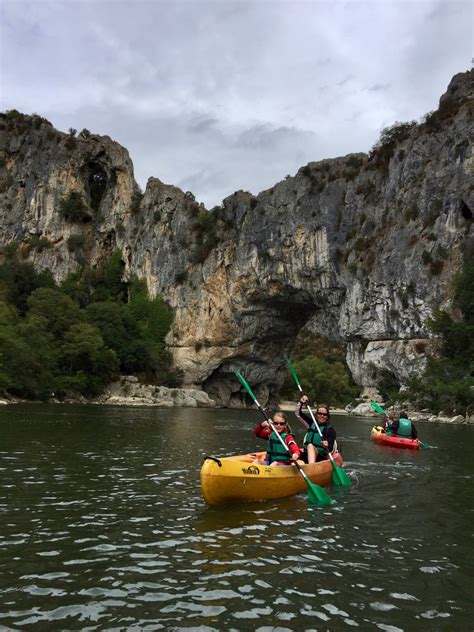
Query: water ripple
x=101, y=529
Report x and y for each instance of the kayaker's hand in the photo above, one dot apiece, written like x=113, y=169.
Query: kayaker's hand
x=265, y=424
x=295, y=456
x=325, y=444
x=304, y=400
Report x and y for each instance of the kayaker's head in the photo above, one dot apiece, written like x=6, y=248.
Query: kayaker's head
x=403, y=415
x=322, y=413
x=280, y=422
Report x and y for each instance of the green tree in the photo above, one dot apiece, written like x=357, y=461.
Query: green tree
x=121, y=333
x=24, y=357
x=448, y=381
x=87, y=364
x=153, y=317
x=323, y=381
x=19, y=279
x=76, y=287
x=58, y=311
x=106, y=282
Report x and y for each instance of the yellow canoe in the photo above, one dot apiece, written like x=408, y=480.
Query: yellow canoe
x=233, y=479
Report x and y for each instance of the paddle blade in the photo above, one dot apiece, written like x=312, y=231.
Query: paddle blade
x=340, y=476
x=377, y=408
x=425, y=446
x=316, y=495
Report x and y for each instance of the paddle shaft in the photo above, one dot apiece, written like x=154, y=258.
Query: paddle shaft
x=319, y=430
x=255, y=401
x=293, y=372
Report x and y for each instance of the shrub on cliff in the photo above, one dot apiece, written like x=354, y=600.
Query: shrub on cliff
x=390, y=137
x=73, y=208
x=204, y=235
x=448, y=382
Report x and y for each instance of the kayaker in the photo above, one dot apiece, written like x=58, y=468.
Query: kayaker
x=402, y=427
x=316, y=448
x=387, y=423
x=276, y=453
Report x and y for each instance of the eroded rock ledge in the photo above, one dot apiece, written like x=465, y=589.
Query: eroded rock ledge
x=128, y=391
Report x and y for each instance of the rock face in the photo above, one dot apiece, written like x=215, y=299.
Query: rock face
x=129, y=392
x=359, y=249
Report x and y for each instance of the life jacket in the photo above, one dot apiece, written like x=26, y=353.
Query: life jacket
x=276, y=452
x=404, y=428
x=313, y=437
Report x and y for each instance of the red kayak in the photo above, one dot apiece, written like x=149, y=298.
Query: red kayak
x=379, y=436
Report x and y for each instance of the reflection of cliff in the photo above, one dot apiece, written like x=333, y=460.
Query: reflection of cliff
x=359, y=249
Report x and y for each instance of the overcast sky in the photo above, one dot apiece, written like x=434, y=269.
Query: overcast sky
x=219, y=96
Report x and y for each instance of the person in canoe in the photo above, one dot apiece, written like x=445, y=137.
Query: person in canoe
x=316, y=448
x=401, y=427
x=276, y=453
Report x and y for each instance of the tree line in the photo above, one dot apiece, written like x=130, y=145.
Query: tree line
x=74, y=338
x=448, y=382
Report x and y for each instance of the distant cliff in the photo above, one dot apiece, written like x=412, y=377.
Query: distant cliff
x=359, y=249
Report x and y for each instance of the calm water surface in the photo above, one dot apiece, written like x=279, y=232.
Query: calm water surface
x=103, y=527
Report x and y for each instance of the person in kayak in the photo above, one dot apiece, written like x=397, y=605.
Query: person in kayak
x=276, y=453
x=387, y=423
x=316, y=448
x=402, y=427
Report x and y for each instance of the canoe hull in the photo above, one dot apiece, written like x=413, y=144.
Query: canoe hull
x=395, y=442
x=237, y=479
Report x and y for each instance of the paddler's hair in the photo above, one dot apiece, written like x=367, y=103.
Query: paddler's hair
x=281, y=414
x=326, y=406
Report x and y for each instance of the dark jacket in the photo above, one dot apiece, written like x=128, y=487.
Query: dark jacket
x=328, y=432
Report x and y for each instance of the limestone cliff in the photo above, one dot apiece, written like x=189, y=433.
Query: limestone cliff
x=359, y=249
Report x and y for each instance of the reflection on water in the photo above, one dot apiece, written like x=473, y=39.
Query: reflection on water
x=103, y=527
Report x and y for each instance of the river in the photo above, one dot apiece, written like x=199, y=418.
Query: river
x=103, y=527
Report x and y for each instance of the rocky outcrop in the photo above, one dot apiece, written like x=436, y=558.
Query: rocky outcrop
x=364, y=409
x=129, y=392
x=358, y=249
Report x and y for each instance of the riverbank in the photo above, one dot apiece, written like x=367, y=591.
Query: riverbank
x=290, y=407
x=364, y=409
x=128, y=391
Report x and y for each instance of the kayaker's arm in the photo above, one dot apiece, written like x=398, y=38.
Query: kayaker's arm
x=303, y=417
x=263, y=430
x=329, y=435
x=293, y=447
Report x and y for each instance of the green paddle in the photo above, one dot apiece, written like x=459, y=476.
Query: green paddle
x=315, y=493
x=339, y=476
x=379, y=409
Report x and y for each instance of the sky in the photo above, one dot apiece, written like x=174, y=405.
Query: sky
x=219, y=96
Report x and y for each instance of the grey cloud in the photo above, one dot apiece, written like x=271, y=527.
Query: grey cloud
x=217, y=97
x=202, y=125
x=266, y=137
x=377, y=87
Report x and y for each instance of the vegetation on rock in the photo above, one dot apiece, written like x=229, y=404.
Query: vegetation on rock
x=448, y=382
x=322, y=371
x=76, y=338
